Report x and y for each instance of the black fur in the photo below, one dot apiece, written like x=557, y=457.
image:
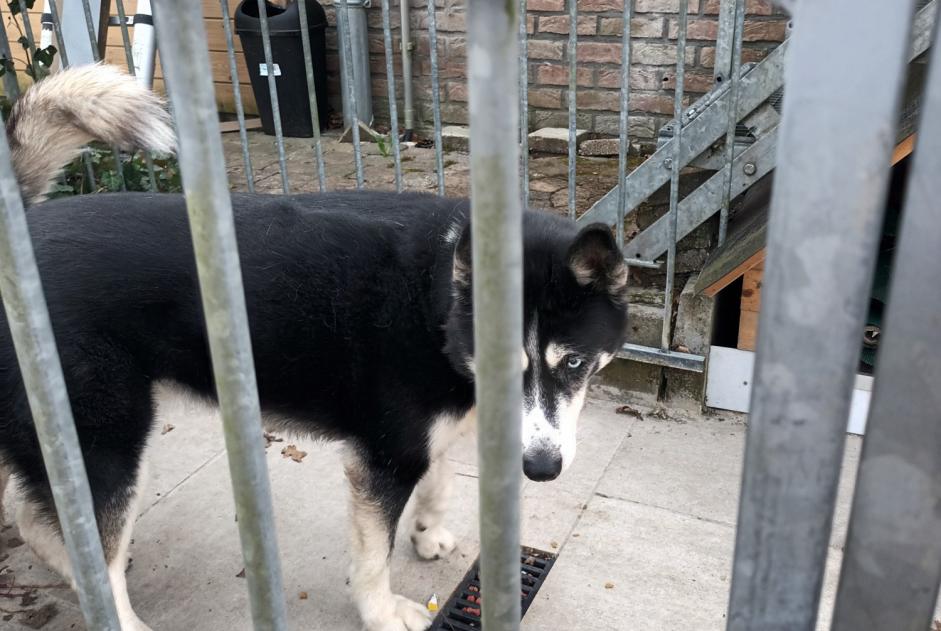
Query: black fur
x=358, y=330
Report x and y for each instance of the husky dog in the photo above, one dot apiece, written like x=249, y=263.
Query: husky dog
x=360, y=313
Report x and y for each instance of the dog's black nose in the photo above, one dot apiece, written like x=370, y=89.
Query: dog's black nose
x=542, y=465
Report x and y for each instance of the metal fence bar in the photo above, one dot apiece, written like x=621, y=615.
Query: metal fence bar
x=346, y=52
x=826, y=215
x=10, y=85
x=312, y=96
x=28, y=31
x=573, y=102
x=682, y=20
x=498, y=282
x=273, y=94
x=64, y=58
x=96, y=55
x=623, y=121
x=237, y=92
x=393, y=105
x=734, y=81
x=724, y=40
x=892, y=559
x=188, y=75
x=435, y=93
x=524, y=104
x=129, y=58
x=31, y=330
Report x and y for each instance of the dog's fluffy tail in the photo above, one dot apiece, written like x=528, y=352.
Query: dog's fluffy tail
x=53, y=120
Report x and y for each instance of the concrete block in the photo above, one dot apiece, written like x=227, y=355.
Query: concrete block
x=455, y=138
x=644, y=323
x=626, y=381
x=694, y=318
x=600, y=147
x=554, y=139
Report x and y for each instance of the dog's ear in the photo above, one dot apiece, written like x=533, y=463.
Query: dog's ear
x=462, y=258
x=596, y=261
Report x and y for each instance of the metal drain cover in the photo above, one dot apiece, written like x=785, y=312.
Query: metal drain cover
x=462, y=611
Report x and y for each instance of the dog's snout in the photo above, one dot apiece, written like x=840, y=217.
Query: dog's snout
x=542, y=465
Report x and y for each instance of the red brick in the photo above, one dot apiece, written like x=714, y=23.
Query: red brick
x=765, y=31
x=654, y=54
x=543, y=49
x=653, y=103
x=697, y=29
x=545, y=97
x=707, y=56
x=545, y=5
x=664, y=6
x=692, y=82
x=599, y=6
x=640, y=27
x=450, y=22
x=557, y=74
x=608, y=100
x=589, y=52
x=560, y=24
x=457, y=92
x=752, y=7
x=641, y=78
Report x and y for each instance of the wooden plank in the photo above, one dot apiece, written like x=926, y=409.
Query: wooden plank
x=733, y=274
x=747, y=330
x=751, y=288
x=903, y=149
x=250, y=123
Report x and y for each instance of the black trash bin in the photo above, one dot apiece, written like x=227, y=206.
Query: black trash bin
x=287, y=55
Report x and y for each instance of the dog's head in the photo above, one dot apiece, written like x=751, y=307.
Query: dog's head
x=575, y=320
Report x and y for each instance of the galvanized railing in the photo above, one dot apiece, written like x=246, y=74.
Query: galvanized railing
x=831, y=177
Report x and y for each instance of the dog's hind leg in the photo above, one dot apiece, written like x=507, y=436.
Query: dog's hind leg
x=379, y=491
x=39, y=528
x=430, y=538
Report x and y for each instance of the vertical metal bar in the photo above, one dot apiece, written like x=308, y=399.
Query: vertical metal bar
x=682, y=21
x=834, y=144
x=497, y=257
x=573, y=99
x=10, y=85
x=64, y=58
x=96, y=55
x=237, y=92
x=524, y=104
x=892, y=559
x=623, y=122
x=435, y=96
x=129, y=58
x=407, y=88
x=189, y=77
x=724, y=39
x=393, y=106
x=734, y=81
x=346, y=51
x=273, y=94
x=28, y=31
x=31, y=330
x=312, y=96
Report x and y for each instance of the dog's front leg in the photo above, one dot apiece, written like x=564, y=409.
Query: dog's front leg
x=430, y=538
x=379, y=491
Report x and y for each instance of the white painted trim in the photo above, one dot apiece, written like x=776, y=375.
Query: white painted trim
x=729, y=379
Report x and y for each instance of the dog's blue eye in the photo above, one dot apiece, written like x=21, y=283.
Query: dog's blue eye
x=574, y=361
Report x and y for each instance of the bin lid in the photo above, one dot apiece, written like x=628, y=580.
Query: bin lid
x=280, y=21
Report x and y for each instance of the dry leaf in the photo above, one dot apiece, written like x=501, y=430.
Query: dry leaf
x=682, y=349
x=241, y=574
x=293, y=453
x=554, y=544
x=302, y=595
x=609, y=585
x=271, y=438
x=626, y=409
x=166, y=429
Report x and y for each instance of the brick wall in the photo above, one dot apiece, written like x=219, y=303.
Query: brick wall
x=653, y=28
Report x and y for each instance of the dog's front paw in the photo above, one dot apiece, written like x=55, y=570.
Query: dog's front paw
x=405, y=615
x=433, y=543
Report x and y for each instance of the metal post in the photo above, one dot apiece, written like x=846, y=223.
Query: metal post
x=498, y=282
x=734, y=82
x=31, y=330
x=573, y=100
x=10, y=85
x=826, y=217
x=312, y=95
x=524, y=104
x=393, y=106
x=346, y=52
x=96, y=55
x=674, y=171
x=407, y=91
x=28, y=31
x=623, y=122
x=435, y=96
x=188, y=75
x=273, y=94
x=892, y=559
x=237, y=91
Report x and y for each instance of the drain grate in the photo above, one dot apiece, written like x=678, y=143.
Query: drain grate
x=462, y=611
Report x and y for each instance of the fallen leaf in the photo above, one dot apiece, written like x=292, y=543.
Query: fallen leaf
x=682, y=349
x=166, y=429
x=241, y=574
x=302, y=595
x=271, y=438
x=628, y=410
x=609, y=585
x=293, y=453
x=554, y=545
